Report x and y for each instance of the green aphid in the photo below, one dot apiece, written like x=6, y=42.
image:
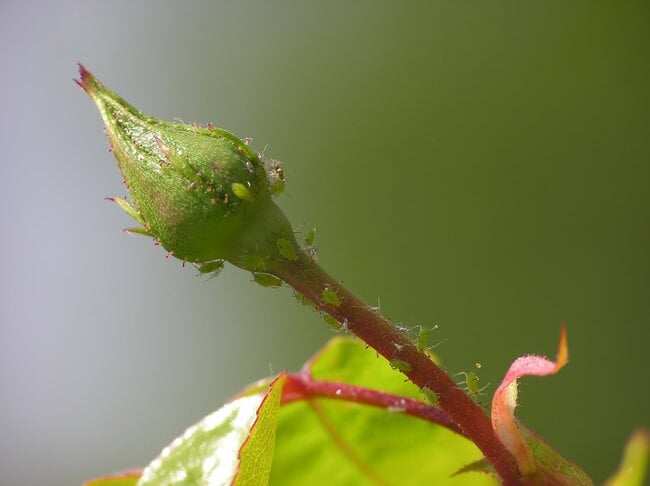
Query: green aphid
x=330, y=297
x=178, y=160
x=213, y=267
x=267, y=280
x=423, y=339
x=400, y=365
x=286, y=249
x=471, y=384
x=254, y=262
x=304, y=300
x=310, y=248
x=430, y=395
x=310, y=237
x=242, y=192
x=333, y=323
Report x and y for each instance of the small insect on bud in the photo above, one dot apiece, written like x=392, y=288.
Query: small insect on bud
x=200, y=192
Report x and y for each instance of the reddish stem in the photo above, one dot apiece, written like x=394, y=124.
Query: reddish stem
x=308, y=278
x=301, y=386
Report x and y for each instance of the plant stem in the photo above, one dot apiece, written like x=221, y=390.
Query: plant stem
x=301, y=386
x=308, y=278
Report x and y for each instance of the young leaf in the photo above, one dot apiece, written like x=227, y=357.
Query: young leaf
x=531, y=457
x=234, y=445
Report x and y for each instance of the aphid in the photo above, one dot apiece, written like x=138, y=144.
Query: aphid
x=333, y=323
x=471, y=384
x=400, y=365
x=329, y=297
x=310, y=248
x=286, y=249
x=429, y=395
x=213, y=267
x=310, y=236
x=267, y=280
x=254, y=262
x=423, y=339
x=304, y=300
x=177, y=159
x=242, y=192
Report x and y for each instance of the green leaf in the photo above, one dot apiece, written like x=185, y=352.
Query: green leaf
x=125, y=479
x=234, y=445
x=256, y=455
x=348, y=443
x=552, y=468
x=347, y=360
x=632, y=471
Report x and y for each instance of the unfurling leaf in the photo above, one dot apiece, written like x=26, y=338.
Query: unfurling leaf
x=505, y=401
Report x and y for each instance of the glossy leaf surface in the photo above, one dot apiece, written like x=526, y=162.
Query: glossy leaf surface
x=210, y=452
x=349, y=443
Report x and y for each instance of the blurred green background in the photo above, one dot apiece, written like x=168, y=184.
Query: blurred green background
x=480, y=166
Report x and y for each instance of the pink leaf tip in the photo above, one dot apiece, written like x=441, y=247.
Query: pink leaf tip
x=504, y=401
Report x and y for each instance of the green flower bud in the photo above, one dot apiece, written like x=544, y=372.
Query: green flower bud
x=200, y=192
